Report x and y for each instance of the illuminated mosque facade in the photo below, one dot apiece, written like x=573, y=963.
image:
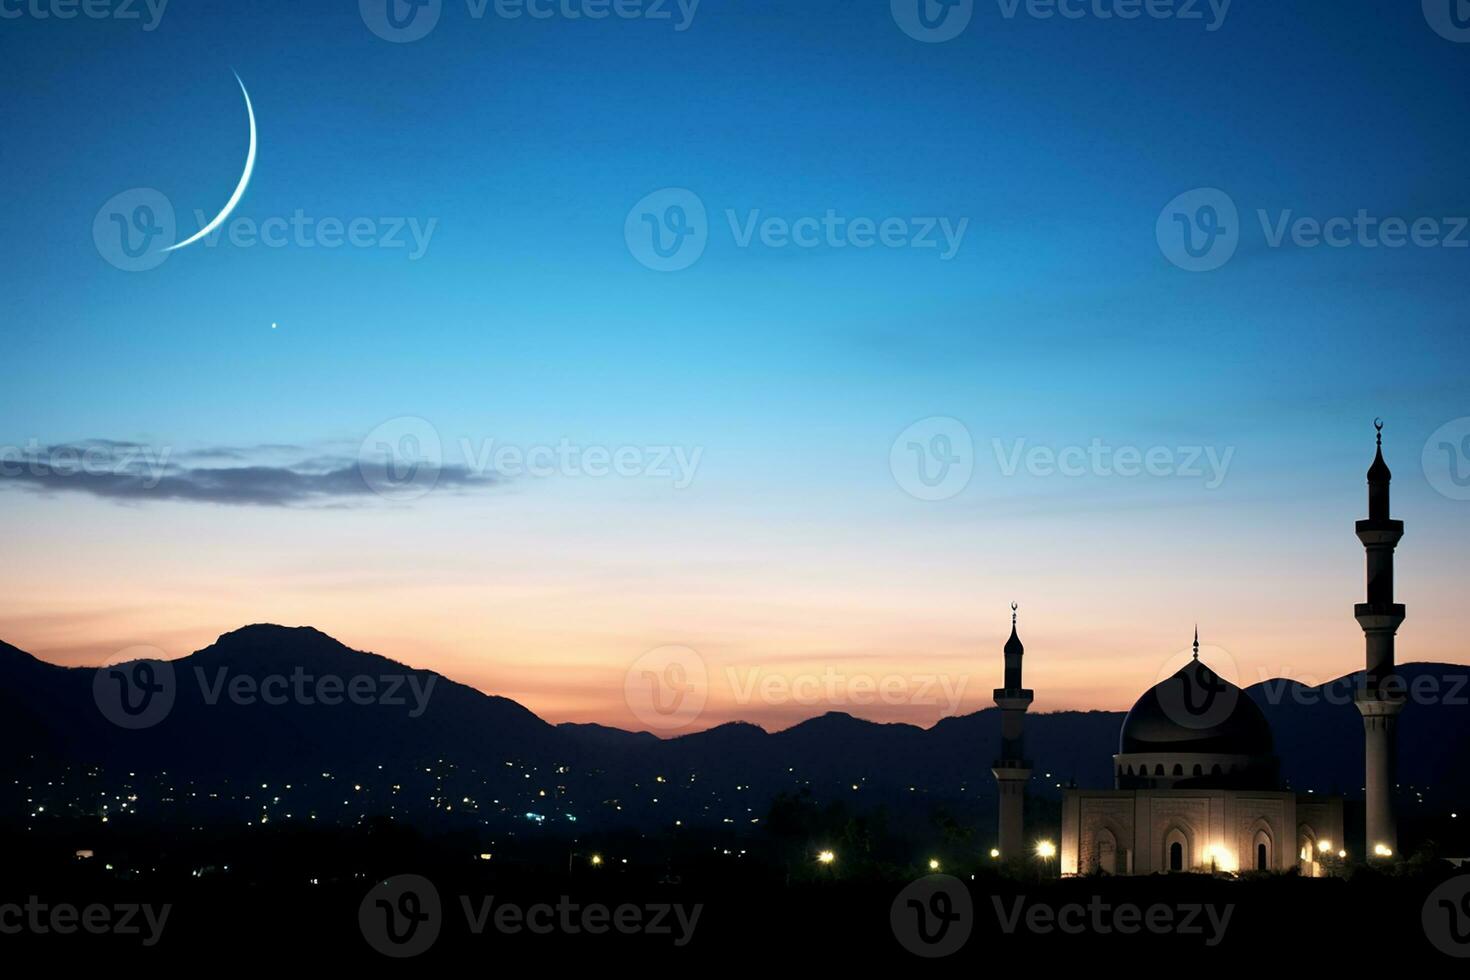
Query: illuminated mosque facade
x=1196, y=779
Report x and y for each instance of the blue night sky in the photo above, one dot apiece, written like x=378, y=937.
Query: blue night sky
x=528, y=320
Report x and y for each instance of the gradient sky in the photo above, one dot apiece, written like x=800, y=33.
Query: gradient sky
x=527, y=321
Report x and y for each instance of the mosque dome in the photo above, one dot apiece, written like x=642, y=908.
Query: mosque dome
x=1194, y=711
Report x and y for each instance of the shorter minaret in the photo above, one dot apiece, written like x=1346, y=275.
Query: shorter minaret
x=1012, y=770
x=1380, y=697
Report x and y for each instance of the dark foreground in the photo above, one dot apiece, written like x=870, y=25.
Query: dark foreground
x=442, y=908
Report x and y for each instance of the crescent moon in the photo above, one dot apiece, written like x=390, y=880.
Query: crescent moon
x=239, y=188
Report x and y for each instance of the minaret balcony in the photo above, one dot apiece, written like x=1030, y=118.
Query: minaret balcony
x=1379, y=533
x=1379, y=616
x=1013, y=699
x=1384, y=701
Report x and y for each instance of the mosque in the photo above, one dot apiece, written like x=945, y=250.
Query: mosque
x=1196, y=780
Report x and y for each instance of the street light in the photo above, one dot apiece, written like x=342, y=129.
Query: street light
x=1382, y=850
x=994, y=853
x=826, y=857
x=934, y=864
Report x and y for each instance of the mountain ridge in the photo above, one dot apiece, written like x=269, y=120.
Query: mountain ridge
x=421, y=725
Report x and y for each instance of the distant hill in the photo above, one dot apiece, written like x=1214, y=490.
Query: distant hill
x=1319, y=732
x=417, y=756
x=52, y=710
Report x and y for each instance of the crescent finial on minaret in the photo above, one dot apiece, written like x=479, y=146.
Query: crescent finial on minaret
x=1196, y=641
x=1380, y=474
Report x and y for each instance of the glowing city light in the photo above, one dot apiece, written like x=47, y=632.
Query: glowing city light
x=994, y=853
x=1342, y=854
x=1324, y=845
x=1046, y=850
x=933, y=864
x=1382, y=850
x=826, y=857
x=596, y=860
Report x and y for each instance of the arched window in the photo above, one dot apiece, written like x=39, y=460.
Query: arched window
x=1215, y=769
x=1198, y=769
x=1158, y=769
x=1178, y=769
x=1306, y=843
x=1176, y=856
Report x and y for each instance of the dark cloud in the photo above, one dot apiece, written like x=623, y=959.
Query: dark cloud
x=133, y=472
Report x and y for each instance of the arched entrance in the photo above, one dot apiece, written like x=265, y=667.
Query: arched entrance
x=1177, y=852
x=1262, y=850
x=1107, y=852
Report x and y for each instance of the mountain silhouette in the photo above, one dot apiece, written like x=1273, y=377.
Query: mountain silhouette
x=427, y=726
x=221, y=721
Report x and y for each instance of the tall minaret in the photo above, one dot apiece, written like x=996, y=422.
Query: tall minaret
x=1380, y=697
x=1012, y=770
